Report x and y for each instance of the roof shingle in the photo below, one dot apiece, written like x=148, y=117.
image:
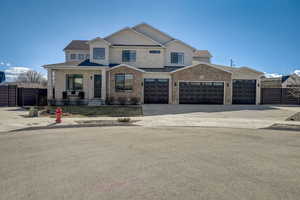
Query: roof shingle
x=77, y=45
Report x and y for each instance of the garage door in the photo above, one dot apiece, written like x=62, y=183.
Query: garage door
x=201, y=92
x=156, y=90
x=244, y=91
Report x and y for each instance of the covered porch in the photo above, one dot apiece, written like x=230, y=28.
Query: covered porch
x=76, y=86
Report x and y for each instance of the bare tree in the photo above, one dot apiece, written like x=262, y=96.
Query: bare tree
x=294, y=86
x=32, y=77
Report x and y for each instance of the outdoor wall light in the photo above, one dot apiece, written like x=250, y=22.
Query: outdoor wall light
x=91, y=77
x=257, y=84
x=142, y=84
x=227, y=84
x=175, y=84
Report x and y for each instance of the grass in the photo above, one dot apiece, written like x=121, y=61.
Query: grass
x=109, y=110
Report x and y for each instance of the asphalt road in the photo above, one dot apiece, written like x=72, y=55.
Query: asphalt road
x=150, y=163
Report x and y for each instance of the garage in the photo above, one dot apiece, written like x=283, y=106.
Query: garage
x=156, y=91
x=243, y=91
x=201, y=92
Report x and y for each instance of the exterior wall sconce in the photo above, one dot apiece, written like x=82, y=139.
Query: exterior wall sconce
x=227, y=84
x=91, y=77
x=142, y=83
x=175, y=84
x=257, y=84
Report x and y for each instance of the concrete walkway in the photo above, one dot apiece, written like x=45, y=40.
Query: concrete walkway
x=251, y=117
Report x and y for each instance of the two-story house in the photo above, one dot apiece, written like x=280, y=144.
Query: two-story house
x=147, y=64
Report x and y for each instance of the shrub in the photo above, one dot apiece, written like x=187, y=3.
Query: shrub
x=124, y=119
x=33, y=112
x=122, y=100
x=135, y=100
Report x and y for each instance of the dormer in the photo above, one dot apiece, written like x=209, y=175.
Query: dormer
x=99, y=51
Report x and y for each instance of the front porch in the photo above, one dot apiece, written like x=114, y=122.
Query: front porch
x=73, y=86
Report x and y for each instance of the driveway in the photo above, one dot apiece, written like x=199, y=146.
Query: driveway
x=237, y=116
x=150, y=163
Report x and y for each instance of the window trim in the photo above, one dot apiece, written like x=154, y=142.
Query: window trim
x=124, y=82
x=100, y=57
x=73, y=54
x=67, y=82
x=178, y=53
x=129, y=50
x=154, y=51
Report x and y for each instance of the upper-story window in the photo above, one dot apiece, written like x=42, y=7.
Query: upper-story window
x=99, y=53
x=177, y=58
x=128, y=55
x=73, y=56
x=154, y=51
x=80, y=56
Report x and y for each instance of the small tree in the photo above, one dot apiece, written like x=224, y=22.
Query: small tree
x=32, y=77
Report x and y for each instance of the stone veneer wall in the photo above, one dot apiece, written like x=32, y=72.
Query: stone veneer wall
x=137, y=83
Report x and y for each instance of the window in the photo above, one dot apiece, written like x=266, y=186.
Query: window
x=154, y=51
x=73, y=56
x=99, y=53
x=74, y=81
x=80, y=56
x=128, y=56
x=123, y=82
x=177, y=58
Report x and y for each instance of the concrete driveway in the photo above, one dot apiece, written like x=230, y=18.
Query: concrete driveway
x=236, y=116
x=150, y=163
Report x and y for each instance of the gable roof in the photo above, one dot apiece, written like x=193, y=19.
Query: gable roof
x=77, y=45
x=128, y=66
x=238, y=70
x=153, y=28
x=99, y=39
x=202, y=53
x=132, y=30
x=179, y=41
x=202, y=63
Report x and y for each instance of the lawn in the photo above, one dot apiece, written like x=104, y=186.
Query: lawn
x=107, y=110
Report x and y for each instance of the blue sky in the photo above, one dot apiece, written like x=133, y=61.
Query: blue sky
x=264, y=35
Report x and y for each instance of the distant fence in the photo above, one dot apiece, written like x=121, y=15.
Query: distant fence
x=8, y=95
x=11, y=95
x=278, y=96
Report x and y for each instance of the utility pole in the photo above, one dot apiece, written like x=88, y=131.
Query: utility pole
x=232, y=63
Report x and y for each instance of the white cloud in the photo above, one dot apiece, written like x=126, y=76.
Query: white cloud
x=297, y=72
x=272, y=75
x=13, y=72
x=8, y=64
x=2, y=63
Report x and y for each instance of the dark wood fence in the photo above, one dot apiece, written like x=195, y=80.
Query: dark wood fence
x=278, y=96
x=8, y=95
x=11, y=95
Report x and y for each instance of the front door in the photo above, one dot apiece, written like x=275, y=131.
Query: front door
x=97, y=85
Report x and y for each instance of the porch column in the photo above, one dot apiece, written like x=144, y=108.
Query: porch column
x=49, y=86
x=103, y=89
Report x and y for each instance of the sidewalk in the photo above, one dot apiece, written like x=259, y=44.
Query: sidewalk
x=12, y=119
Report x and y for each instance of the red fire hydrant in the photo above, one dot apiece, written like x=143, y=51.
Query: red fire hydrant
x=58, y=113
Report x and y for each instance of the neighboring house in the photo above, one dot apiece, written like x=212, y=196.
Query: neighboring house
x=281, y=82
x=145, y=63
